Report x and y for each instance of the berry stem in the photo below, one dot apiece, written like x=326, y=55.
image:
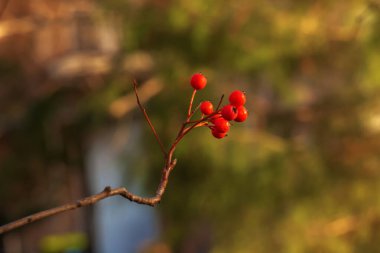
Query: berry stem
x=203, y=118
x=197, y=123
x=192, y=113
x=189, y=113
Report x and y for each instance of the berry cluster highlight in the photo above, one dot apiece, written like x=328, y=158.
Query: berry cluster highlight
x=218, y=120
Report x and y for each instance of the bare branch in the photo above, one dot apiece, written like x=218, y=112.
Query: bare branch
x=107, y=192
x=220, y=102
x=170, y=163
x=147, y=119
x=123, y=105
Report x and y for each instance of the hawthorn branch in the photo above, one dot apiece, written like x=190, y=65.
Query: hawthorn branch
x=107, y=192
x=220, y=102
x=143, y=110
x=217, y=111
x=170, y=163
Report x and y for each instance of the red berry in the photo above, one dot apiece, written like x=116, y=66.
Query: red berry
x=198, y=81
x=242, y=114
x=214, y=117
x=218, y=135
x=207, y=108
x=229, y=112
x=221, y=125
x=237, y=98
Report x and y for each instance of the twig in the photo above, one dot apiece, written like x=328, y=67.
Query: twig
x=107, y=192
x=192, y=113
x=170, y=163
x=201, y=122
x=191, y=105
x=220, y=102
x=147, y=119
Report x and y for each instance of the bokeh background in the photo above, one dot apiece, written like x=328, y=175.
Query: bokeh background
x=301, y=175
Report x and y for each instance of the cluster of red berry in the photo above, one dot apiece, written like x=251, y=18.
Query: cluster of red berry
x=219, y=120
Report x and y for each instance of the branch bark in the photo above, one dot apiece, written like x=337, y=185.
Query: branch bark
x=169, y=165
x=143, y=110
x=106, y=193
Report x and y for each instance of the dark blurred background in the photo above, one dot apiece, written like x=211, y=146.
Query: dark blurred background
x=301, y=175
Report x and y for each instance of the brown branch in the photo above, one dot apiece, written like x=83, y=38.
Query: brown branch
x=123, y=105
x=148, y=120
x=220, y=102
x=107, y=192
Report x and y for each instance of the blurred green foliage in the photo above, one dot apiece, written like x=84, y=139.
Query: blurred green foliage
x=74, y=242
x=302, y=175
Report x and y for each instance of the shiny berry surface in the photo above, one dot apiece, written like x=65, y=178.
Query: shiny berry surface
x=237, y=98
x=218, y=135
x=214, y=117
x=198, y=81
x=221, y=125
x=242, y=114
x=229, y=112
x=207, y=108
